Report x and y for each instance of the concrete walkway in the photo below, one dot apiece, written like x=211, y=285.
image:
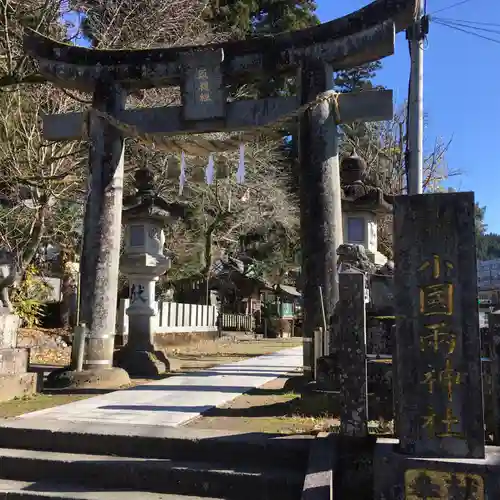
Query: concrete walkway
x=176, y=400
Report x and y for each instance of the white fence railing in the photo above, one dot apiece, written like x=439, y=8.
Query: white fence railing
x=174, y=317
x=239, y=322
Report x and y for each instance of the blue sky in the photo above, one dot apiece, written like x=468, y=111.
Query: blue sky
x=461, y=92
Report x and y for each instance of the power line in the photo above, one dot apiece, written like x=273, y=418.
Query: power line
x=468, y=32
x=446, y=19
x=451, y=6
x=463, y=25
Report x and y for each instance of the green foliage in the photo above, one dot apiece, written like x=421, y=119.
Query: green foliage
x=355, y=79
x=246, y=18
x=488, y=246
x=480, y=224
x=28, y=299
x=274, y=252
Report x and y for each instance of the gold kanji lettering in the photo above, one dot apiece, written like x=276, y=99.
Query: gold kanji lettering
x=429, y=380
x=449, y=421
x=429, y=420
x=446, y=378
x=449, y=377
x=204, y=86
x=436, y=299
x=435, y=262
x=438, y=337
x=425, y=484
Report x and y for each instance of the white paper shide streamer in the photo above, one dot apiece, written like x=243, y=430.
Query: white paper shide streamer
x=182, y=176
x=209, y=171
x=240, y=174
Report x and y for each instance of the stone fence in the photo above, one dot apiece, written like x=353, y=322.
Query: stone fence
x=173, y=317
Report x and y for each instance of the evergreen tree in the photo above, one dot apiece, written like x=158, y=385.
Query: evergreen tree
x=487, y=244
x=479, y=220
x=355, y=79
x=246, y=18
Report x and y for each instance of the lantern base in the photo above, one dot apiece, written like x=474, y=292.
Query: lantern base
x=94, y=378
x=149, y=364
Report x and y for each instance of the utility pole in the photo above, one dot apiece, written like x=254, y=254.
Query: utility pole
x=416, y=36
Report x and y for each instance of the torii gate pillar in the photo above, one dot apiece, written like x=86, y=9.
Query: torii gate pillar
x=320, y=201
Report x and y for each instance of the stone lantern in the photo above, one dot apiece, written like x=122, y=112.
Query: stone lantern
x=143, y=261
x=362, y=203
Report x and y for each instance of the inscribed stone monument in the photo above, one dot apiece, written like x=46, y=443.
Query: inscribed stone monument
x=438, y=387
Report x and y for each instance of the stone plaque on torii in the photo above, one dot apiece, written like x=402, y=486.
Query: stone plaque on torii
x=204, y=73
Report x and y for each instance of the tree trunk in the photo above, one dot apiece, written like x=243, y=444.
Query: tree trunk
x=37, y=233
x=209, y=237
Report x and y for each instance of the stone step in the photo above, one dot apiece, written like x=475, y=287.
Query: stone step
x=13, y=361
x=26, y=490
x=153, y=475
x=150, y=441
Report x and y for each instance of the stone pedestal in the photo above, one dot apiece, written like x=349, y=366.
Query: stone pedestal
x=398, y=476
x=15, y=381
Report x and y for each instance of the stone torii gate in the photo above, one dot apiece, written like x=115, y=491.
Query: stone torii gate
x=204, y=73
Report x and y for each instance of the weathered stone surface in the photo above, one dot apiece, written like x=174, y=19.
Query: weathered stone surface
x=439, y=390
x=17, y=386
x=9, y=324
x=202, y=85
x=352, y=256
x=142, y=262
x=381, y=295
x=321, y=215
x=239, y=116
x=352, y=354
x=144, y=363
x=99, y=352
x=378, y=334
x=403, y=477
x=102, y=224
x=492, y=345
x=359, y=194
x=361, y=37
x=107, y=378
x=327, y=372
x=182, y=338
x=13, y=361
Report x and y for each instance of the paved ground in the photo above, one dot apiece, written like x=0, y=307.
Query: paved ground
x=176, y=400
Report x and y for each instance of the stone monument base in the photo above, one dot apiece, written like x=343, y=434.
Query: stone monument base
x=418, y=477
x=144, y=363
x=102, y=378
x=15, y=381
x=17, y=386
